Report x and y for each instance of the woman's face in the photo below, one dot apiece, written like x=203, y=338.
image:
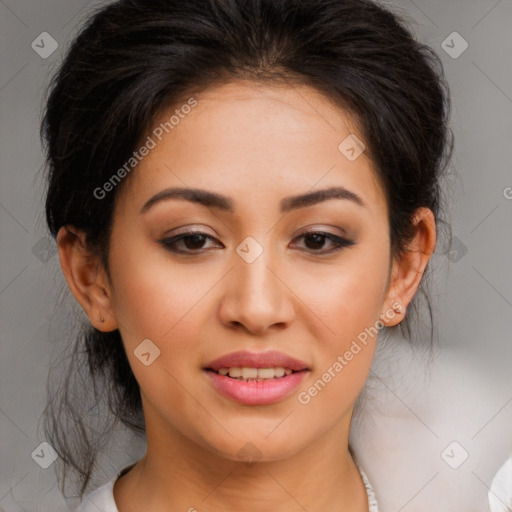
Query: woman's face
x=255, y=278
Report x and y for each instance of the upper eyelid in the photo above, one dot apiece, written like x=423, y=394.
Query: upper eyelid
x=307, y=231
x=315, y=228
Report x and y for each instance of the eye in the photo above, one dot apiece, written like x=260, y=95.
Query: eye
x=317, y=240
x=192, y=240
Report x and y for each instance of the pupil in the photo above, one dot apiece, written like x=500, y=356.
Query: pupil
x=316, y=238
x=192, y=240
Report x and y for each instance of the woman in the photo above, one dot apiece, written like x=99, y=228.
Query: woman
x=243, y=194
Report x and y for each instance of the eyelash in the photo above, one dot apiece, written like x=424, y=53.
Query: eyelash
x=340, y=242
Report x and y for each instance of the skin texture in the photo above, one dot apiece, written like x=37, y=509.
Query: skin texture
x=257, y=145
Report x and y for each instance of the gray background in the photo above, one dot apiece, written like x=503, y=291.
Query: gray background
x=465, y=395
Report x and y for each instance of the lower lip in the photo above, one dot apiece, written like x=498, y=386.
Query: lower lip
x=257, y=393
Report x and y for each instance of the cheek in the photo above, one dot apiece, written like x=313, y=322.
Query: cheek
x=348, y=296
x=157, y=301
x=349, y=307
x=349, y=303
x=154, y=297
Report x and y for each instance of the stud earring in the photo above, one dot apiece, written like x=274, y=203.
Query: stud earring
x=398, y=308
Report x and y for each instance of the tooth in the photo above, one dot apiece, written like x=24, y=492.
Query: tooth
x=248, y=373
x=266, y=373
x=279, y=371
x=235, y=372
x=252, y=374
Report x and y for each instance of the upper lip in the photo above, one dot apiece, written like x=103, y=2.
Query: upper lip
x=244, y=359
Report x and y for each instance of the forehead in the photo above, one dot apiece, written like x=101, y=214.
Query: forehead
x=246, y=139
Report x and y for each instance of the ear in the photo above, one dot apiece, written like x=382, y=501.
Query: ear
x=86, y=278
x=408, y=268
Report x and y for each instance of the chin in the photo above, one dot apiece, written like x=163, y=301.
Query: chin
x=258, y=447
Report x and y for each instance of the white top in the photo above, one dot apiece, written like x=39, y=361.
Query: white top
x=500, y=493
x=102, y=499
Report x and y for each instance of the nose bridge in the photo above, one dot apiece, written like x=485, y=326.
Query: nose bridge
x=256, y=297
x=255, y=276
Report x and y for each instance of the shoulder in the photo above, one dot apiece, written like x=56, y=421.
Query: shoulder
x=103, y=497
x=500, y=493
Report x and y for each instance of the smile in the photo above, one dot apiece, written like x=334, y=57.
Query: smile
x=256, y=378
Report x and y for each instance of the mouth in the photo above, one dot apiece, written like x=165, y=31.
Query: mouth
x=256, y=378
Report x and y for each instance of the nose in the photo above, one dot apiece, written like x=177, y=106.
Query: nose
x=256, y=297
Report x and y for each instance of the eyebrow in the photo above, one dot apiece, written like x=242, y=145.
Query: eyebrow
x=223, y=203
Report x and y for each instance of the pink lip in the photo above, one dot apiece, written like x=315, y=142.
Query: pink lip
x=262, y=392
x=271, y=359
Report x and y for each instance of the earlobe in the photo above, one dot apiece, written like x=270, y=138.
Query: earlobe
x=393, y=309
x=409, y=268
x=86, y=278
